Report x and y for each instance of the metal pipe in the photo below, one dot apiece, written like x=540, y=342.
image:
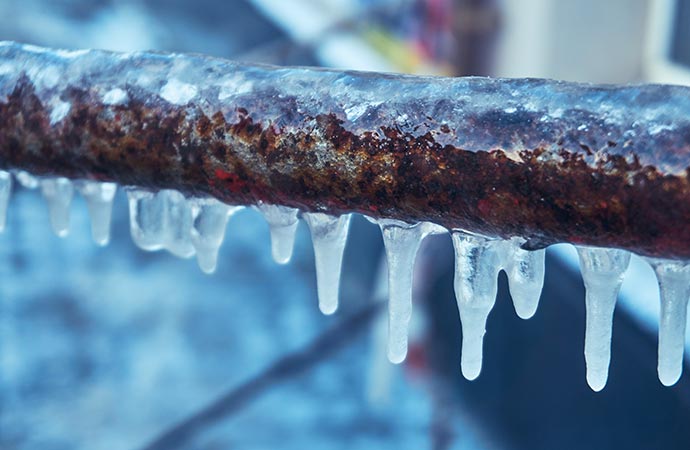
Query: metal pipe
x=546, y=160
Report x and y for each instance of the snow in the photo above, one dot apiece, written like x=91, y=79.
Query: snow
x=177, y=92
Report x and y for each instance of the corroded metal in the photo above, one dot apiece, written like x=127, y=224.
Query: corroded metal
x=546, y=160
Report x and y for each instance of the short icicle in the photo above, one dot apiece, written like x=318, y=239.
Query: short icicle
x=5, y=191
x=401, y=241
x=602, y=272
x=674, y=288
x=146, y=219
x=177, y=224
x=477, y=264
x=99, y=201
x=329, y=235
x=282, y=222
x=525, y=270
x=210, y=219
x=58, y=193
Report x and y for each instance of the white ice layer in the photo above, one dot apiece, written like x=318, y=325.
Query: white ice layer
x=210, y=219
x=5, y=191
x=99, y=201
x=161, y=220
x=674, y=288
x=478, y=261
x=401, y=241
x=58, y=193
x=602, y=272
x=282, y=222
x=329, y=235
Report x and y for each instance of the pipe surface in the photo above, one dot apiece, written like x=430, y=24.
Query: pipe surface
x=545, y=160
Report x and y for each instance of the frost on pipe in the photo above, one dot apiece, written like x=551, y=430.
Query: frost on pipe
x=508, y=166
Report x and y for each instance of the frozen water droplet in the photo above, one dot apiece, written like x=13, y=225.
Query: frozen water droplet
x=674, y=287
x=401, y=241
x=5, y=191
x=99, y=201
x=58, y=193
x=525, y=270
x=26, y=180
x=477, y=264
x=329, y=235
x=178, y=224
x=146, y=219
x=602, y=272
x=282, y=221
x=208, y=230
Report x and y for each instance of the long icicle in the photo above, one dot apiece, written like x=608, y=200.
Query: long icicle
x=674, y=289
x=602, y=272
x=401, y=241
x=477, y=264
x=329, y=236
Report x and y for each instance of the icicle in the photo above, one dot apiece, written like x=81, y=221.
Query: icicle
x=674, y=287
x=5, y=191
x=178, y=224
x=99, y=201
x=525, y=270
x=477, y=264
x=26, y=180
x=602, y=272
x=329, y=235
x=401, y=241
x=282, y=222
x=208, y=230
x=161, y=220
x=58, y=193
x=146, y=219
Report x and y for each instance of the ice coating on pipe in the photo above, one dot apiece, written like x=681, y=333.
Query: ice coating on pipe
x=329, y=236
x=602, y=273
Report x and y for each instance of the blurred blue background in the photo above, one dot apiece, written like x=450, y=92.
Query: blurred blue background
x=115, y=348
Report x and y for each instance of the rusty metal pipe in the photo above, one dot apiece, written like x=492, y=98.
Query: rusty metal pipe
x=550, y=161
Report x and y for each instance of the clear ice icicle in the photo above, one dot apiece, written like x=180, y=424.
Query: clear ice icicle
x=161, y=220
x=178, y=224
x=602, y=272
x=329, y=235
x=282, y=222
x=674, y=288
x=210, y=219
x=146, y=219
x=99, y=201
x=525, y=270
x=477, y=264
x=401, y=241
x=5, y=191
x=58, y=193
